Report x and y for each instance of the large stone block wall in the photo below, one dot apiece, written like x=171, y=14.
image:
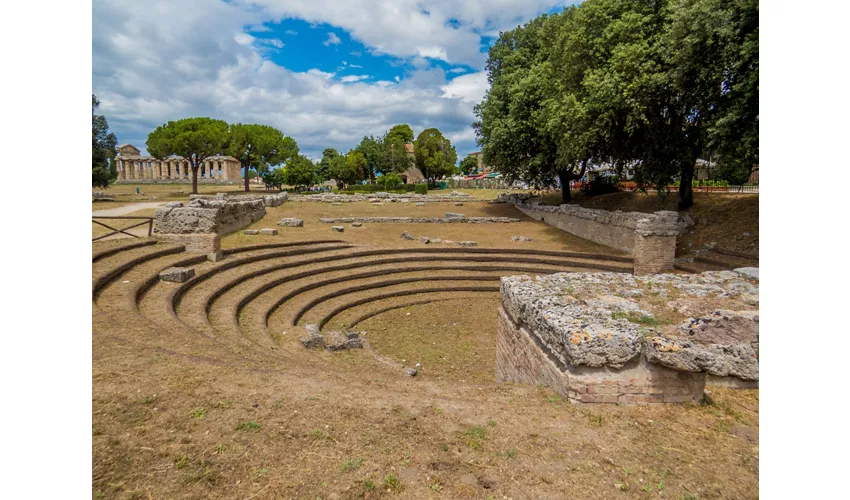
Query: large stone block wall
x=200, y=224
x=650, y=238
x=586, y=335
x=522, y=358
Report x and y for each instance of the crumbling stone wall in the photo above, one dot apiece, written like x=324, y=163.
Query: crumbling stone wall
x=585, y=335
x=650, y=238
x=200, y=225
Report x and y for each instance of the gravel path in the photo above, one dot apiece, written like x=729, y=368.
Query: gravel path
x=127, y=209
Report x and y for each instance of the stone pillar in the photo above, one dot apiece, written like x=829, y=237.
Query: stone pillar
x=224, y=170
x=214, y=165
x=120, y=169
x=655, y=243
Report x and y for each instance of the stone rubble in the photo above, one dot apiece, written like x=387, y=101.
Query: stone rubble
x=455, y=219
x=338, y=229
x=381, y=196
x=267, y=231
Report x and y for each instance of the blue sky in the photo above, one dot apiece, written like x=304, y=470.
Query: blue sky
x=326, y=73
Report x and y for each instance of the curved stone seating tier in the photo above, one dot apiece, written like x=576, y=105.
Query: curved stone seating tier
x=220, y=293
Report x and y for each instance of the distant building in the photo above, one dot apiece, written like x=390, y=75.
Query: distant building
x=412, y=175
x=132, y=166
x=482, y=168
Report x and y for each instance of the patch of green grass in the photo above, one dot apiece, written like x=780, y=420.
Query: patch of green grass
x=220, y=448
x=248, y=426
x=149, y=400
x=182, y=461
x=436, y=486
x=491, y=423
x=320, y=434
x=199, y=413
x=224, y=404
x=634, y=317
x=476, y=431
x=594, y=419
x=352, y=464
x=368, y=485
x=475, y=435
x=392, y=482
x=510, y=453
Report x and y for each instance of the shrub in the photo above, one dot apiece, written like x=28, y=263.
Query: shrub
x=421, y=188
x=600, y=184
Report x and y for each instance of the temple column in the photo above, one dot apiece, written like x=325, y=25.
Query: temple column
x=215, y=174
x=120, y=169
x=187, y=174
x=172, y=169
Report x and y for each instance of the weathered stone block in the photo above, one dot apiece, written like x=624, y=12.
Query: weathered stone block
x=177, y=274
x=467, y=243
x=338, y=229
x=406, y=236
x=453, y=215
x=313, y=337
x=268, y=231
x=291, y=222
x=251, y=232
x=356, y=224
x=570, y=332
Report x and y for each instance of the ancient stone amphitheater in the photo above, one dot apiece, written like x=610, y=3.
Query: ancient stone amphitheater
x=258, y=292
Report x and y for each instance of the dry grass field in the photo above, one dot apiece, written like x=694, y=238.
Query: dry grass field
x=211, y=401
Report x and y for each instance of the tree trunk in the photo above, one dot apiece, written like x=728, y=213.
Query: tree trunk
x=247, y=184
x=194, y=178
x=686, y=191
x=565, y=179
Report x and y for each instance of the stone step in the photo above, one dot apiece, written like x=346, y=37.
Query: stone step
x=735, y=253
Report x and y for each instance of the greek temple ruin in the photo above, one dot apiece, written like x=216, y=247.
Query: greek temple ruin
x=132, y=166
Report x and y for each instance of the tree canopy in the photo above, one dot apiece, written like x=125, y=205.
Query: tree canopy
x=434, y=154
x=300, y=171
x=648, y=85
x=102, y=148
x=468, y=165
x=258, y=146
x=325, y=170
x=401, y=132
x=195, y=139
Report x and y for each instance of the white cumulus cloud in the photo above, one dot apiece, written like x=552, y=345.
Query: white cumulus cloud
x=332, y=40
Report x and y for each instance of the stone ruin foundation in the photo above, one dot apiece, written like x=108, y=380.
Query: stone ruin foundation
x=199, y=225
x=620, y=338
x=650, y=238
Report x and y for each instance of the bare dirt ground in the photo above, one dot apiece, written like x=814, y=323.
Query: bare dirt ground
x=190, y=407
